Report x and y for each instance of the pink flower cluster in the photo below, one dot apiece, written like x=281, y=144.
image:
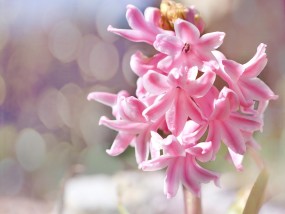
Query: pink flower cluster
x=179, y=116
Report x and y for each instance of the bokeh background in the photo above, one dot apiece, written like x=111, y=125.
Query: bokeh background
x=53, y=53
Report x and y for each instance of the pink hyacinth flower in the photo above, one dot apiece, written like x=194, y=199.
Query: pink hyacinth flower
x=175, y=92
x=186, y=47
x=133, y=128
x=243, y=80
x=181, y=165
x=144, y=27
x=225, y=123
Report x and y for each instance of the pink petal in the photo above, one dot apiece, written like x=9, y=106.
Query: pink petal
x=103, y=97
x=135, y=18
x=169, y=45
x=202, y=151
x=186, y=31
x=155, y=83
x=156, y=164
x=192, y=132
x=131, y=108
x=160, y=106
x=233, y=69
x=221, y=109
x=152, y=15
x=142, y=146
x=188, y=179
x=237, y=159
x=172, y=179
x=123, y=125
x=254, y=66
x=200, y=86
x=182, y=108
x=211, y=41
x=177, y=115
x=246, y=123
x=156, y=142
x=141, y=64
x=202, y=175
x=121, y=142
x=256, y=89
x=133, y=35
x=206, y=102
x=232, y=137
x=172, y=146
x=214, y=136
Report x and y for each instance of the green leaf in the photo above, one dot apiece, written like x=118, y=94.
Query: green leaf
x=256, y=195
x=122, y=209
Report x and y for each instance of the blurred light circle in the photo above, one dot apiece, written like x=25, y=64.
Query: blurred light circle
x=30, y=149
x=2, y=90
x=104, y=61
x=74, y=96
x=11, y=177
x=129, y=75
x=48, y=111
x=91, y=132
x=64, y=40
x=110, y=13
x=86, y=46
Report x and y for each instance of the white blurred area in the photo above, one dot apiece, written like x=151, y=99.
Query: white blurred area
x=53, y=53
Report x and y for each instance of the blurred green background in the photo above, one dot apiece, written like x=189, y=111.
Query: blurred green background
x=53, y=53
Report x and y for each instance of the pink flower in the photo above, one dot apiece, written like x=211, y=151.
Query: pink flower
x=243, y=80
x=186, y=47
x=133, y=128
x=181, y=165
x=175, y=92
x=176, y=96
x=111, y=100
x=225, y=123
x=144, y=27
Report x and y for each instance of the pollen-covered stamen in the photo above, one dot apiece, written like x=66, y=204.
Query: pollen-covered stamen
x=186, y=48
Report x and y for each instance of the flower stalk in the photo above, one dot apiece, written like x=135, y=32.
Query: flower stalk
x=192, y=203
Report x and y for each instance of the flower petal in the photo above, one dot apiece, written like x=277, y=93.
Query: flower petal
x=192, y=132
x=199, y=87
x=211, y=41
x=254, y=66
x=232, y=137
x=155, y=164
x=155, y=83
x=256, y=89
x=103, y=97
x=172, y=179
x=121, y=142
x=141, y=64
x=131, y=108
x=176, y=116
x=233, y=69
x=237, y=159
x=123, y=125
x=246, y=123
x=202, y=151
x=186, y=31
x=142, y=146
x=167, y=44
x=152, y=15
x=182, y=108
x=160, y=106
